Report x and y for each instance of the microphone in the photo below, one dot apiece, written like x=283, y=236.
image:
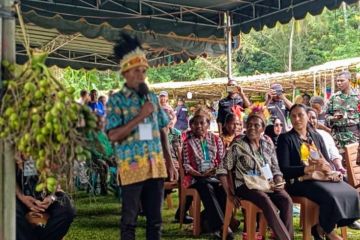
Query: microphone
x=144, y=91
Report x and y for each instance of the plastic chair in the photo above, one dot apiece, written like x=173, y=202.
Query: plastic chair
x=170, y=186
x=353, y=169
x=309, y=216
x=196, y=202
x=251, y=210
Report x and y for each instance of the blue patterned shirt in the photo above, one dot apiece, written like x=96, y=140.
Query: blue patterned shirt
x=138, y=160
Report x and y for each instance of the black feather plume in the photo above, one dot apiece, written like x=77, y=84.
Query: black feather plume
x=124, y=45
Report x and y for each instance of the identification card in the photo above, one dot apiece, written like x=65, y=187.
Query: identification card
x=145, y=131
x=267, y=171
x=29, y=168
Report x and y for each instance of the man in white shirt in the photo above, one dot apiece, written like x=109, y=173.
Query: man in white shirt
x=84, y=97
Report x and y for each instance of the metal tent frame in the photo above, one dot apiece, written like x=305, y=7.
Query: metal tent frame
x=171, y=28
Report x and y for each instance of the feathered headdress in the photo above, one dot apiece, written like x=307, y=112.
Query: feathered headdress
x=260, y=110
x=129, y=53
x=238, y=111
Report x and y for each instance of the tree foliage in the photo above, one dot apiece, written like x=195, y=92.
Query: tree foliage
x=83, y=79
x=317, y=39
x=189, y=71
x=331, y=36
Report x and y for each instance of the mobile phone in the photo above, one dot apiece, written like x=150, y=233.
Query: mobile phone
x=314, y=154
x=278, y=92
x=230, y=89
x=280, y=184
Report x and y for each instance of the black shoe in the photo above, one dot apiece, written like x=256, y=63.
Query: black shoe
x=315, y=233
x=218, y=235
x=187, y=219
x=230, y=236
x=355, y=226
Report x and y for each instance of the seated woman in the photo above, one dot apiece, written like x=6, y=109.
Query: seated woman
x=274, y=130
x=233, y=127
x=101, y=154
x=246, y=156
x=39, y=217
x=332, y=150
x=318, y=104
x=202, y=153
x=338, y=201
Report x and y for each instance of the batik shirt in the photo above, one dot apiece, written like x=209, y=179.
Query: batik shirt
x=239, y=160
x=138, y=160
x=201, y=155
x=226, y=105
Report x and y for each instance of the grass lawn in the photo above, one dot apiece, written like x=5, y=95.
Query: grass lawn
x=98, y=218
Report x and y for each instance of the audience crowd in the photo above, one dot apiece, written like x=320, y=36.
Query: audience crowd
x=264, y=153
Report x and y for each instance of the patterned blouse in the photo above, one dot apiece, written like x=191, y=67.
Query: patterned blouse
x=138, y=160
x=196, y=157
x=227, y=140
x=238, y=159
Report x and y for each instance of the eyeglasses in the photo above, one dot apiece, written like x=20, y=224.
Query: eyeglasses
x=278, y=124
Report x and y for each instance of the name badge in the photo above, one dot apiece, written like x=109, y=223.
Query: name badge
x=267, y=171
x=29, y=168
x=145, y=131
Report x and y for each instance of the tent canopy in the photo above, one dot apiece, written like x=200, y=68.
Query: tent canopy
x=316, y=78
x=171, y=30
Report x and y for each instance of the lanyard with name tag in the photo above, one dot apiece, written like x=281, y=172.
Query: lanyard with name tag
x=145, y=131
x=29, y=168
x=267, y=171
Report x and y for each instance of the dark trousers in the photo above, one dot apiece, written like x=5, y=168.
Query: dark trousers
x=270, y=203
x=213, y=197
x=149, y=194
x=61, y=214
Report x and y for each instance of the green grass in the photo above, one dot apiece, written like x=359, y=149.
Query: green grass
x=98, y=218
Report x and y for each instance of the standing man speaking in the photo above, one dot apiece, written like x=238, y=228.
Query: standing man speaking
x=135, y=124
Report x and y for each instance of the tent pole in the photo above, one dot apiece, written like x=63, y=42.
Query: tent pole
x=332, y=82
x=228, y=44
x=7, y=163
x=314, y=84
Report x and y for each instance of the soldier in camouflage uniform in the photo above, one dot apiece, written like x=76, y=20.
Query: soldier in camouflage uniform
x=342, y=113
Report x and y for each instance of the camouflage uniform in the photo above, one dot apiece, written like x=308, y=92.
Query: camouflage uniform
x=346, y=130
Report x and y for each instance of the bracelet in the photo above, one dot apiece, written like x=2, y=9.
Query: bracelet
x=53, y=198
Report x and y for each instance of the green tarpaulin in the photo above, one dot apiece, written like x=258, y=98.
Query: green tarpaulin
x=172, y=30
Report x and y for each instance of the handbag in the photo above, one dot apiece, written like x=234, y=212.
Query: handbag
x=254, y=181
x=333, y=176
x=257, y=182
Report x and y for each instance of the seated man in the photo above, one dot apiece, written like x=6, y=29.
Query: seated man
x=31, y=205
x=175, y=145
